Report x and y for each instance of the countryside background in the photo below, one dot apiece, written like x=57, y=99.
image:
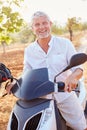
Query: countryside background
x=16, y=34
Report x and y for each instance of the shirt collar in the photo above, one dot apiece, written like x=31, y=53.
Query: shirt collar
x=50, y=43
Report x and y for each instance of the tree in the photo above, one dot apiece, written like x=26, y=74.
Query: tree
x=26, y=34
x=10, y=21
x=72, y=24
x=84, y=26
x=56, y=29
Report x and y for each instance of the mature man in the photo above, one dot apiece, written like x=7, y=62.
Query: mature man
x=54, y=53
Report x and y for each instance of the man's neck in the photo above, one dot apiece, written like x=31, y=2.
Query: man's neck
x=44, y=43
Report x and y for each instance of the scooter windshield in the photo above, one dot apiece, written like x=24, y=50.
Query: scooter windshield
x=33, y=84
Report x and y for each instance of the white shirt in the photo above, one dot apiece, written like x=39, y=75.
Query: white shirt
x=56, y=59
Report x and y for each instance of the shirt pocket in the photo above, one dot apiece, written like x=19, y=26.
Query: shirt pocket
x=59, y=61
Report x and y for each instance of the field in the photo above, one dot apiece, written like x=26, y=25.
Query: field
x=13, y=59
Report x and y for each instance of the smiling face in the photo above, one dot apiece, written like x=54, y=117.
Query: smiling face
x=41, y=27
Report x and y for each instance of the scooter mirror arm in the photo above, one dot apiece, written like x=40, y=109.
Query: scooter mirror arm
x=11, y=80
x=68, y=67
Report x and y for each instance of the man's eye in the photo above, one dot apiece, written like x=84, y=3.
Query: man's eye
x=37, y=25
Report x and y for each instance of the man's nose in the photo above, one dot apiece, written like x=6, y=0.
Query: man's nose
x=41, y=26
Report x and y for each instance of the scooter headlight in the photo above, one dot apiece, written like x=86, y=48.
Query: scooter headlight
x=46, y=116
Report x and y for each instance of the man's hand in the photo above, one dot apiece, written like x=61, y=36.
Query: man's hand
x=8, y=87
x=72, y=81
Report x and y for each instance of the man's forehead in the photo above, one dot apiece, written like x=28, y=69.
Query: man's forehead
x=40, y=19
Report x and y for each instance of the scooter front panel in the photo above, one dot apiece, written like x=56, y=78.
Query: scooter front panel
x=27, y=117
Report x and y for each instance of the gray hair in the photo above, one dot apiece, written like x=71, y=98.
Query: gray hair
x=39, y=14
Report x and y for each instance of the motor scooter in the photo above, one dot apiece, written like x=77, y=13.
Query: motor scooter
x=32, y=111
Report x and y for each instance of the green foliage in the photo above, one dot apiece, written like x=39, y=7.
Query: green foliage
x=73, y=23
x=56, y=30
x=26, y=34
x=10, y=22
x=10, y=2
x=84, y=26
x=1, y=18
x=17, y=2
x=5, y=39
x=6, y=11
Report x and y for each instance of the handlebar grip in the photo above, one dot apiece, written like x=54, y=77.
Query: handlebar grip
x=61, y=86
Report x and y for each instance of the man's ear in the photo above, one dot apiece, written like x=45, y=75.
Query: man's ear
x=32, y=28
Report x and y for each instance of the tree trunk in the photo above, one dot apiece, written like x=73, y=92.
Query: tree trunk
x=71, y=34
x=3, y=46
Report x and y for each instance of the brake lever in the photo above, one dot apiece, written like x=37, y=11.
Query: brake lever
x=4, y=94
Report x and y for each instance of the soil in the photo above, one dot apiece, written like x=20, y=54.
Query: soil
x=13, y=59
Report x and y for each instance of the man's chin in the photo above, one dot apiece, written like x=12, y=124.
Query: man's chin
x=43, y=37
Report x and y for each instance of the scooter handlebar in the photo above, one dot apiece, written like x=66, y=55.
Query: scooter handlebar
x=61, y=86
